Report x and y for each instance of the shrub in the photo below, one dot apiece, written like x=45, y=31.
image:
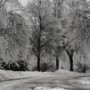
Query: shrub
x=34, y=68
x=23, y=65
x=81, y=67
x=20, y=65
x=5, y=65
x=45, y=67
x=10, y=66
x=1, y=61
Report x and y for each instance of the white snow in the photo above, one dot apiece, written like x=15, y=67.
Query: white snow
x=61, y=74
x=19, y=79
x=5, y=75
x=85, y=80
x=48, y=88
x=64, y=71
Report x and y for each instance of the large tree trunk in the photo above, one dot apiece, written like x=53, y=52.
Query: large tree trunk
x=38, y=62
x=84, y=69
x=38, y=55
x=70, y=55
x=57, y=63
x=71, y=61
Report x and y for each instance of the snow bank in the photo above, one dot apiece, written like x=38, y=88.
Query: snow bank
x=63, y=72
x=5, y=75
x=85, y=80
x=82, y=82
x=48, y=88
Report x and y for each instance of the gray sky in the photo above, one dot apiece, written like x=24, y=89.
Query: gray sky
x=24, y=2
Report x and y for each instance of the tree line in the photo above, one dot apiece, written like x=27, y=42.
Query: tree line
x=54, y=27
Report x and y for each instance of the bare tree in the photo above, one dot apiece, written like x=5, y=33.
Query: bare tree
x=42, y=27
x=55, y=46
x=16, y=34
x=75, y=29
x=12, y=28
x=2, y=3
x=58, y=8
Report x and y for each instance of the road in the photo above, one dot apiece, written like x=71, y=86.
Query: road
x=68, y=82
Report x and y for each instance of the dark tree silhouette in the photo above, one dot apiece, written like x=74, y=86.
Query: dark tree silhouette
x=42, y=27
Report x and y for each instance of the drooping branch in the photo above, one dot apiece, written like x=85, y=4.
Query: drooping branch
x=2, y=3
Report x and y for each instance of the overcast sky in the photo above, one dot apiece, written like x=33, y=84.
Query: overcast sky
x=24, y=2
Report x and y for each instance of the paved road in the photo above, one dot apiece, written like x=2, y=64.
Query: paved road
x=68, y=82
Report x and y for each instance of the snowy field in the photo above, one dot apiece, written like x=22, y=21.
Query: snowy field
x=48, y=88
x=59, y=80
x=4, y=75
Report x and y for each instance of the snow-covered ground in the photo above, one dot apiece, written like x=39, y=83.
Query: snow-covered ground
x=8, y=75
x=4, y=75
x=59, y=80
x=85, y=80
x=48, y=88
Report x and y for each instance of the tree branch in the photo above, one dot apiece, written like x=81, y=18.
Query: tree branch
x=2, y=3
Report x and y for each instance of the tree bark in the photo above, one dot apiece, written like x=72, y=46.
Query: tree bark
x=71, y=61
x=57, y=63
x=84, y=69
x=38, y=62
x=70, y=55
x=38, y=55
